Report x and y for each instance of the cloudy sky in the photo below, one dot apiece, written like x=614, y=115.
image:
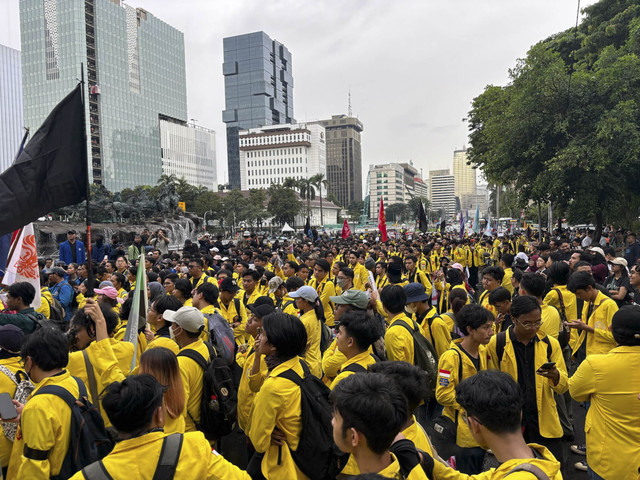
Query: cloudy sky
x=413, y=66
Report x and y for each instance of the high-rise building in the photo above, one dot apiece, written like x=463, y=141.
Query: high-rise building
x=258, y=89
x=394, y=182
x=465, y=179
x=11, y=132
x=135, y=72
x=189, y=151
x=272, y=154
x=344, y=158
x=442, y=192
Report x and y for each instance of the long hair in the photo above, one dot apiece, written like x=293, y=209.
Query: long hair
x=162, y=364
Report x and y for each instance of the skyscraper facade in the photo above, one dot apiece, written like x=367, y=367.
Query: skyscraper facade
x=465, y=179
x=10, y=106
x=442, y=192
x=135, y=72
x=344, y=158
x=258, y=87
x=394, y=182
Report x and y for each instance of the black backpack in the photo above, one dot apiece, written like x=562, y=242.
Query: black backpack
x=424, y=355
x=219, y=402
x=317, y=456
x=88, y=439
x=56, y=311
x=41, y=321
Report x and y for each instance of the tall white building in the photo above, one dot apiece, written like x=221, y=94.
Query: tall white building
x=465, y=179
x=272, y=154
x=395, y=183
x=11, y=124
x=442, y=192
x=189, y=151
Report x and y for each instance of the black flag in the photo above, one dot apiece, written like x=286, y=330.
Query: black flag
x=51, y=171
x=422, y=219
x=307, y=228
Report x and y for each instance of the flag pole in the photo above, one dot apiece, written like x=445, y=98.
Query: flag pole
x=90, y=276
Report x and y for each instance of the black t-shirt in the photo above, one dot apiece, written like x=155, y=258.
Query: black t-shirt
x=613, y=283
x=525, y=358
x=475, y=361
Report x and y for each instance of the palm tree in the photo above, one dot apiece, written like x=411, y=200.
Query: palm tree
x=318, y=181
x=307, y=191
x=167, y=179
x=290, y=182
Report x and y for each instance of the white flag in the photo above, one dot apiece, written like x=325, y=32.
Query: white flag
x=22, y=262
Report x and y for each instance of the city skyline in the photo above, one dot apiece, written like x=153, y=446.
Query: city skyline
x=411, y=86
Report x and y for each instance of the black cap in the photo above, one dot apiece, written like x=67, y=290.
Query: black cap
x=71, y=232
x=261, y=310
x=11, y=338
x=229, y=285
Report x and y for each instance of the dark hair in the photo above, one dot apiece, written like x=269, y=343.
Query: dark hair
x=621, y=328
x=361, y=327
x=286, y=333
x=209, y=292
x=347, y=272
x=457, y=299
x=517, y=274
x=48, y=347
x=454, y=276
x=472, y=316
x=494, y=399
x=197, y=261
x=580, y=281
x=533, y=283
x=584, y=256
x=495, y=272
x=253, y=274
x=393, y=298
x=166, y=302
x=500, y=294
x=293, y=265
x=184, y=287
x=524, y=304
x=559, y=273
x=409, y=379
x=82, y=319
x=23, y=290
x=371, y=405
x=323, y=264
x=130, y=404
x=293, y=283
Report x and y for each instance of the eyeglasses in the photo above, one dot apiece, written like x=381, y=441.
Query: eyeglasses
x=530, y=326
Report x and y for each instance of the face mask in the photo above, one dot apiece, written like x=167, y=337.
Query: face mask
x=411, y=309
x=172, y=335
x=342, y=282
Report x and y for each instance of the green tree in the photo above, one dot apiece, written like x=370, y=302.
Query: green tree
x=396, y=212
x=307, y=192
x=207, y=202
x=255, y=212
x=235, y=208
x=319, y=181
x=283, y=205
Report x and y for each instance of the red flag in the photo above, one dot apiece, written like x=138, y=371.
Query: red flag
x=382, y=222
x=346, y=231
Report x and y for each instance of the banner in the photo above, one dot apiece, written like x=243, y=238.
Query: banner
x=346, y=231
x=22, y=262
x=423, y=225
x=382, y=222
x=476, y=220
x=138, y=314
x=461, y=225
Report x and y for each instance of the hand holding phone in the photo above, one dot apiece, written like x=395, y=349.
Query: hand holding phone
x=7, y=408
x=548, y=366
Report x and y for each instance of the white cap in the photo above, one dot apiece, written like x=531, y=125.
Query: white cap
x=189, y=318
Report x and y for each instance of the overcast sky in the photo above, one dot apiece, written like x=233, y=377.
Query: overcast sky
x=413, y=66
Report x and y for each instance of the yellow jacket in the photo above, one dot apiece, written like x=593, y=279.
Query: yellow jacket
x=548, y=464
x=142, y=340
x=332, y=361
x=399, y=341
x=312, y=355
x=422, y=278
x=570, y=309
x=325, y=289
x=278, y=404
x=484, y=302
x=7, y=385
x=363, y=359
x=612, y=425
x=164, y=342
x=548, y=420
x=601, y=340
x=246, y=394
x=191, y=374
x=229, y=312
x=138, y=457
x=448, y=378
x=46, y=299
x=506, y=280
x=360, y=276
x=550, y=321
x=45, y=425
x=436, y=330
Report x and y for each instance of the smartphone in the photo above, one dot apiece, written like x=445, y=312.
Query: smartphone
x=7, y=409
x=547, y=366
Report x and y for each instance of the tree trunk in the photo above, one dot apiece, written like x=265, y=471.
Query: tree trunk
x=539, y=222
x=321, y=213
x=598, y=233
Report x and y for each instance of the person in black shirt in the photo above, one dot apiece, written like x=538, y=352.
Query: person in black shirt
x=618, y=283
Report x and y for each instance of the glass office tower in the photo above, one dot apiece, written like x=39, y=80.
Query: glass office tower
x=11, y=131
x=258, y=87
x=135, y=71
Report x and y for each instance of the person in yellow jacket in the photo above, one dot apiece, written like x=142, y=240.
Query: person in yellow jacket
x=534, y=284
x=433, y=326
x=381, y=275
x=277, y=406
x=597, y=312
x=136, y=409
x=161, y=337
x=187, y=324
x=398, y=339
x=466, y=357
x=11, y=338
x=233, y=309
x=46, y=301
x=506, y=262
x=308, y=303
x=324, y=287
x=559, y=296
x=491, y=279
x=197, y=276
x=492, y=404
x=250, y=288
x=535, y=361
x=369, y=412
x=611, y=383
x=445, y=283
x=44, y=427
x=360, y=273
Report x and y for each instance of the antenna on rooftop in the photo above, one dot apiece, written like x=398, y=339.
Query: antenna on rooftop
x=349, y=111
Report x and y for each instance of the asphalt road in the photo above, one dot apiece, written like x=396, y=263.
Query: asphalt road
x=569, y=472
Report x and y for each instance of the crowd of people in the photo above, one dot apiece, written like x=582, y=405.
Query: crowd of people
x=429, y=356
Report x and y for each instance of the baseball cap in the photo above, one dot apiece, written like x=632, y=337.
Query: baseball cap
x=71, y=232
x=229, y=285
x=274, y=284
x=261, y=310
x=415, y=292
x=307, y=293
x=619, y=261
x=107, y=291
x=11, y=338
x=354, y=297
x=246, y=233
x=217, y=257
x=597, y=249
x=189, y=318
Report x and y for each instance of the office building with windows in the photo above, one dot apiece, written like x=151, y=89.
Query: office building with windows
x=11, y=131
x=344, y=158
x=465, y=179
x=135, y=72
x=442, y=192
x=258, y=88
x=394, y=182
x=272, y=154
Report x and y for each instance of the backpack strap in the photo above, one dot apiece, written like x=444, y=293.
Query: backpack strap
x=292, y=376
x=236, y=302
x=96, y=471
x=355, y=368
x=195, y=356
x=501, y=342
x=546, y=340
x=532, y=469
x=169, y=455
x=91, y=377
x=8, y=373
x=561, y=300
